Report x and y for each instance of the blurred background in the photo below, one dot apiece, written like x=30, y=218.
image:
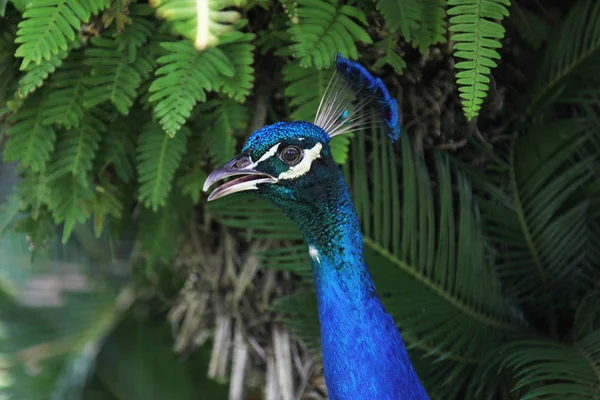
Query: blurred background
x=482, y=224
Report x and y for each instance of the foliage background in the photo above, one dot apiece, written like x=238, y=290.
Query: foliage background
x=481, y=226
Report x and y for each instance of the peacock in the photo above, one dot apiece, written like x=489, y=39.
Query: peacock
x=290, y=164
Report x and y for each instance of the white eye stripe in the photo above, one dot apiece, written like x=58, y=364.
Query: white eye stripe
x=303, y=166
x=270, y=153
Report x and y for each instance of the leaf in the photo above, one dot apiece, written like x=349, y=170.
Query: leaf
x=182, y=80
x=325, y=28
x=573, y=50
x=35, y=74
x=240, y=53
x=69, y=202
x=203, y=22
x=65, y=101
x=75, y=150
x=158, y=157
x=50, y=26
x=477, y=35
x=30, y=142
x=218, y=123
x=391, y=56
x=531, y=26
x=113, y=78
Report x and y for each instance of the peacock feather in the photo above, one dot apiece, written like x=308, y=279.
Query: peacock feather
x=290, y=163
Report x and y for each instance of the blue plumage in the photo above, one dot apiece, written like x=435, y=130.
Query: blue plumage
x=290, y=164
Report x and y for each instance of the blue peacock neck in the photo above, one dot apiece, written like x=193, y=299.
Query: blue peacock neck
x=364, y=356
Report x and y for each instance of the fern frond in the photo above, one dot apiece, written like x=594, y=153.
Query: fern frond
x=7, y=65
x=571, y=55
x=113, y=78
x=36, y=74
x=530, y=25
x=65, y=101
x=75, y=151
x=104, y=204
x=34, y=192
x=202, y=21
x=218, y=124
x=69, y=201
x=137, y=32
x=306, y=86
x=190, y=182
x=118, y=147
x=390, y=55
x=158, y=157
x=118, y=12
x=30, y=141
x=50, y=26
x=325, y=28
x=160, y=231
x=477, y=35
x=241, y=55
x=402, y=16
x=183, y=79
x=432, y=29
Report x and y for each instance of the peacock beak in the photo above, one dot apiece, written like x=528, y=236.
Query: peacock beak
x=238, y=165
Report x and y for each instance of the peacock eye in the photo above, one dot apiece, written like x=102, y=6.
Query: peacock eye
x=291, y=155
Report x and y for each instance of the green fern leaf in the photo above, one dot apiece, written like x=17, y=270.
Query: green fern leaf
x=137, y=32
x=218, y=124
x=104, y=204
x=477, y=35
x=191, y=182
x=391, y=57
x=7, y=64
x=34, y=192
x=570, y=61
x=159, y=156
x=402, y=16
x=36, y=74
x=118, y=147
x=30, y=141
x=75, y=151
x=65, y=101
x=432, y=29
x=203, y=22
x=51, y=26
x=531, y=26
x=183, y=79
x=325, y=28
x=241, y=54
x=113, y=78
x=69, y=202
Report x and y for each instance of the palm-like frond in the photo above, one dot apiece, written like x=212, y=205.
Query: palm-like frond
x=182, y=80
x=201, y=21
x=51, y=26
x=555, y=371
x=543, y=222
x=530, y=25
x=325, y=28
x=158, y=158
x=572, y=55
x=477, y=35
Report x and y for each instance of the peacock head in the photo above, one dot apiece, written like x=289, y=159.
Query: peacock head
x=291, y=161
x=284, y=162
